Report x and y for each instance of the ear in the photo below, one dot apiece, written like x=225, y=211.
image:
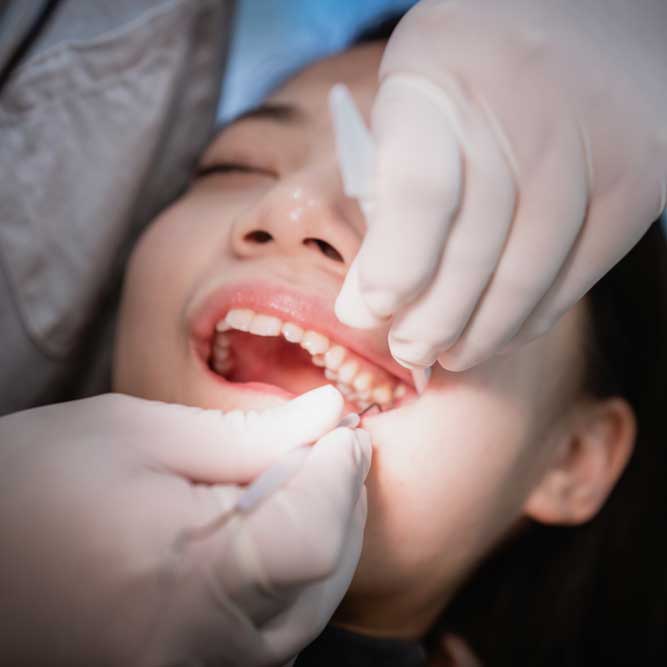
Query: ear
x=589, y=457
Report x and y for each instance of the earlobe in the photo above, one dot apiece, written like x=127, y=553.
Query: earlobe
x=588, y=461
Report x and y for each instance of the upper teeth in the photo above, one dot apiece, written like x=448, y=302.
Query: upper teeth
x=357, y=383
x=314, y=342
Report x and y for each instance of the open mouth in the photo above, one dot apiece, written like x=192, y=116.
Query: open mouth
x=253, y=347
x=260, y=339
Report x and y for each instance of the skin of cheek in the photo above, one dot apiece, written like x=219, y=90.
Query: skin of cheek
x=152, y=357
x=451, y=474
x=436, y=489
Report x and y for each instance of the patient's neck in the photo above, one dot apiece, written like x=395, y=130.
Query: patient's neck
x=404, y=616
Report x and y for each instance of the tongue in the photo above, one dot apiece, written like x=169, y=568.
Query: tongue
x=272, y=360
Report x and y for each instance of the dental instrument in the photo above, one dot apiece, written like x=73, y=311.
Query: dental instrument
x=421, y=377
x=369, y=408
x=268, y=482
x=277, y=475
x=355, y=148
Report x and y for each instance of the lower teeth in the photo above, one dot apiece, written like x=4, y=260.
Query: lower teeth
x=344, y=389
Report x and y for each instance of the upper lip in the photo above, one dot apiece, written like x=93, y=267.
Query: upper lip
x=307, y=310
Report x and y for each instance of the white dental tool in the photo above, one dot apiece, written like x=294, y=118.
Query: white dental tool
x=356, y=156
x=267, y=483
x=270, y=481
x=281, y=472
x=421, y=376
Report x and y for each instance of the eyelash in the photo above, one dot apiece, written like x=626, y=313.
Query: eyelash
x=232, y=167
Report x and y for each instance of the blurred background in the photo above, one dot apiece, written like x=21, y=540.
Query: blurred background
x=274, y=38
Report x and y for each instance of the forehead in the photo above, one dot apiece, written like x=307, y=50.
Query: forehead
x=357, y=68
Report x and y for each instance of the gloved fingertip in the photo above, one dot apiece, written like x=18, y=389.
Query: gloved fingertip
x=382, y=303
x=457, y=362
x=350, y=307
x=412, y=354
x=352, y=310
x=326, y=393
x=315, y=413
x=350, y=420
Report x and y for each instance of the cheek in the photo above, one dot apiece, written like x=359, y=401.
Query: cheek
x=165, y=266
x=188, y=235
x=443, y=482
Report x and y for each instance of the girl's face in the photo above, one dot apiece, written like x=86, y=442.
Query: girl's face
x=271, y=232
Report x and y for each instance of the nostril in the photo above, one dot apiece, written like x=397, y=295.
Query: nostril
x=258, y=236
x=325, y=248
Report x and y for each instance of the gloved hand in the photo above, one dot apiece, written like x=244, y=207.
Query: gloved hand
x=114, y=551
x=521, y=152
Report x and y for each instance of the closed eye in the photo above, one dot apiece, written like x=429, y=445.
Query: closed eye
x=233, y=167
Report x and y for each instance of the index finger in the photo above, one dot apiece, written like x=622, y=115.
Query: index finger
x=212, y=447
x=314, y=509
x=418, y=190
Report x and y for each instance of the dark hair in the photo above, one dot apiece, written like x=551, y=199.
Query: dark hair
x=593, y=594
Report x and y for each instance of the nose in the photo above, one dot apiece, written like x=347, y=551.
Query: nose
x=303, y=219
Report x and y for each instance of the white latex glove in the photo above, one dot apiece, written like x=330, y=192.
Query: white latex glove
x=113, y=551
x=521, y=152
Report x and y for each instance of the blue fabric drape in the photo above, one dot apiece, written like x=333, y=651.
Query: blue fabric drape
x=275, y=38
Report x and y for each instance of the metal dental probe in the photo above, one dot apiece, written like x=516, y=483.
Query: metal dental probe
x=369, y=408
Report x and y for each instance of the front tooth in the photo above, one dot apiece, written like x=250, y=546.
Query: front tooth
x=334, y=357
x=347, y=371
x=366, y=394
x=382, y=394
x=400, y=391
x=292, y=333
x=318, y=360
x=265, y=325
x=362, y=381
x=314, y=342
x=239, y=318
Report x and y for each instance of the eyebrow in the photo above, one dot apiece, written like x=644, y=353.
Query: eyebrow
x=279, y=112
